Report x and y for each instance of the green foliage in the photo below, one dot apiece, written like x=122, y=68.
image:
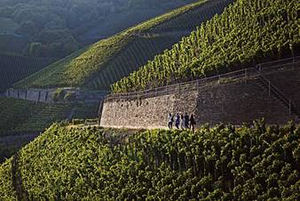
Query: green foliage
x=19, y=116
x=218, y=163
x=86, y=110
x=7, y=25
x=58, y=94
x=7, y=151
x=12, y=44
x=70, y=96
x=107, y=61
x=63, y=95
x=14, y=68
x=7, y=191
x=63, y=26
x=246, y=33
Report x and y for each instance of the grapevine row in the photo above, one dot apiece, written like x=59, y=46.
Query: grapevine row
x=244, y=34
x=219, y=163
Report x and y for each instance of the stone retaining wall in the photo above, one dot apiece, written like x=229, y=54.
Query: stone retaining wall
x=46, y=95
x=36, y=95
x=235, y=102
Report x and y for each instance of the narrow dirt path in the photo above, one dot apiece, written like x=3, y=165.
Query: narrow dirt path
x=22, y=195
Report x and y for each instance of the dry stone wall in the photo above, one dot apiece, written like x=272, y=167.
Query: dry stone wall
x=140, y=113
x=233, y=102
x=288, y=82
x=46, y=95
x=239, y=102
x=36, y=95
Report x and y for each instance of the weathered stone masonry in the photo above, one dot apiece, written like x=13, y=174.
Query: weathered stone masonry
x=234, y=102
x=46, y=95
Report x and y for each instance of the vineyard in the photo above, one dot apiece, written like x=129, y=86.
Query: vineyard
x=109, y=60
x=23, y=116
x=220, y=163
x=246, y=33
x=20, y=116
x=14, y=68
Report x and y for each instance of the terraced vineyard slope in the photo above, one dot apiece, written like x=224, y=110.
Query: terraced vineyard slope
x=14, y=68
x=220, y=163
x=246, y=33
x=23, y=117
x=101, y=64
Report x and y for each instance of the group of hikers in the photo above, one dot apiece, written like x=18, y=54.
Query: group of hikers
x=182, y=121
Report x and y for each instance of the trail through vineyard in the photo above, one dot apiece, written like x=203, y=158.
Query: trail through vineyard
x=17, y=179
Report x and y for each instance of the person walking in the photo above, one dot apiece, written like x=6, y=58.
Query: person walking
x=170, y=121
x=186, y=120
x=192, y=123
x=182, y=122
x=177, y=121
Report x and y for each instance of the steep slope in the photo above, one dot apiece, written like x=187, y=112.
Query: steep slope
x=18, y=116
x=220, y=163
x=108, y=60
x=56, y=28
x=23, y=117
x=14, y=68
x=246, y=33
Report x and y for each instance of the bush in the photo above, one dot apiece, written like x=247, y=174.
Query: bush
x=58, y=94
x=70, y=96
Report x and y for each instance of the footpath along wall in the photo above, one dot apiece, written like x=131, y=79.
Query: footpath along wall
x=237, y=98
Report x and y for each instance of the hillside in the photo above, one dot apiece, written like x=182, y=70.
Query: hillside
x=19, y=116
x=56, y=28
x=246, y=33
x=21, y=121
x=220, y=163
x=101, y=64
x=14, y=68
